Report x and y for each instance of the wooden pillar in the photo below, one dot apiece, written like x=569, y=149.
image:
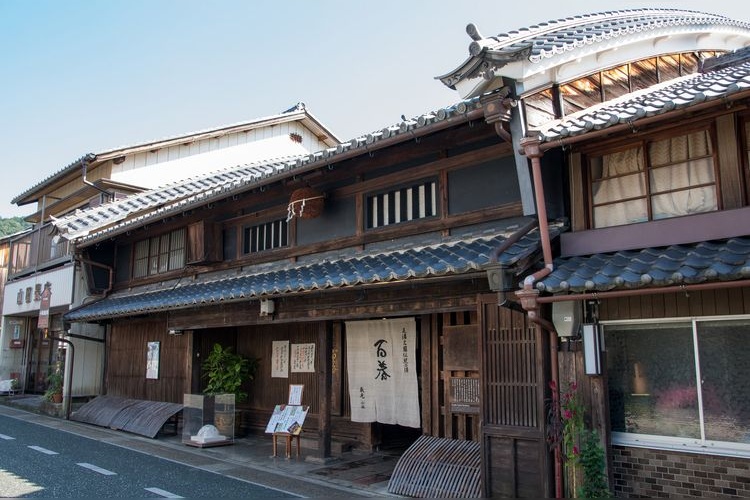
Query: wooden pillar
x=325, y=344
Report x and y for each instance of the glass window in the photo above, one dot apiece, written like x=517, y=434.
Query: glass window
x=159, y=254
x=676, y=177
x=725, y=379
x=680, y=379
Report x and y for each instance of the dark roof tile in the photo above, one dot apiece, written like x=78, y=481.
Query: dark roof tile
x=721, y=260
x=454, y=257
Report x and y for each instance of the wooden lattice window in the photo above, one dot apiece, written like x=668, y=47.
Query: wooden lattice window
x=265, y=236
x=416, y=201
x=159, y=254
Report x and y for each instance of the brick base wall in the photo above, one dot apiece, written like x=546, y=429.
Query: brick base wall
x=639, y=472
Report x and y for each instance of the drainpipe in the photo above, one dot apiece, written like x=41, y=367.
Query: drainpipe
x=532, y=150
x=497, y=109
x=103, y=266
x=67, y=402
x=529, y=295
x=91, y=157
x=502, y=247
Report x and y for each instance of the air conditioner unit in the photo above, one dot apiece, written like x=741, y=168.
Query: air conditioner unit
x=566, y=317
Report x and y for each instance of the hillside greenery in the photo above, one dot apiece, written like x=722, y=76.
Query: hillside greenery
x=12, y=225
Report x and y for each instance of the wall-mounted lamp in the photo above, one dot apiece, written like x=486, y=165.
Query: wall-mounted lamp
x=173, y=331
x=267, y=307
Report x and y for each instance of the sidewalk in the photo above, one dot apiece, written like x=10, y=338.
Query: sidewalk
x=354, y=474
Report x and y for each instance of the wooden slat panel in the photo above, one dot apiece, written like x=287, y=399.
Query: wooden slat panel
x=126, y=365
x=436, y=467
x=670, y=305
x=515, y=461
x=141, y=417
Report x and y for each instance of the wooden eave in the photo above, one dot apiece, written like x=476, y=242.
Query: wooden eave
x=82, y=195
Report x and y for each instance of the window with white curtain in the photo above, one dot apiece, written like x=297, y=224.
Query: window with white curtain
x=653, y=180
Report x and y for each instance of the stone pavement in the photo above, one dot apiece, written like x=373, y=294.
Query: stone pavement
x=353, y=474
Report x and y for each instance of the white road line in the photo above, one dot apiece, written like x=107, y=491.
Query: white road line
x=43, y=450
x=3, y=436
x=97, y=469
x=163, y=493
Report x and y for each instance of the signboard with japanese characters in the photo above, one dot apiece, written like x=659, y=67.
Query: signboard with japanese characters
x=382, y=371
x=280, y=359
x=287, y=419
x=303, y=358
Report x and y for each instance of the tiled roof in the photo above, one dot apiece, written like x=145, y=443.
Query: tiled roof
x=681, y=93
x=711, y=261
x=557, y=36
x=537, y=43
x=100, y=222
x=448, y=258
x=173, y=197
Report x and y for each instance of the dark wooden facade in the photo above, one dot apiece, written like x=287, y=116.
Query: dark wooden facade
x=481, y=369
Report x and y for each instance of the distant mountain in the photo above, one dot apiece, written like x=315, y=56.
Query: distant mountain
x=12, y=225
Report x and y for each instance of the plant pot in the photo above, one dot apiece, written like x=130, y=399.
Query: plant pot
x=57, y=398
x=228, y=423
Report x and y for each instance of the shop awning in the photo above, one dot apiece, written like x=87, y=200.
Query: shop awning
x=687, y=264
x=448, y=258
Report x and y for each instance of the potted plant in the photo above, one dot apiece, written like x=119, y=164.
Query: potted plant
x=54, y=386
x=225, y=371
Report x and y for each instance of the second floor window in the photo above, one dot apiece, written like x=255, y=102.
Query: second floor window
x=159, y=254
x=653, y=180
x=266, y=236
x=401, y=205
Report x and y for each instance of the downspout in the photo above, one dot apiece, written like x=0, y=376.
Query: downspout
x=529, y=295
x=84, y=160
x=502, y=299
x=103, y=266
x=532, y=150
x=68, y=401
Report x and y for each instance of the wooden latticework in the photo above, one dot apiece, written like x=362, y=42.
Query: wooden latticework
x=436, y=467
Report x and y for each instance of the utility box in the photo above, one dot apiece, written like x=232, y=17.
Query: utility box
x=566, y=317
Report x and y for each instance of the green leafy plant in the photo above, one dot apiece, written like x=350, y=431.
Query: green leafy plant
x=225, y=372
x=592, y=461
x=54, y=384
x=581, y=448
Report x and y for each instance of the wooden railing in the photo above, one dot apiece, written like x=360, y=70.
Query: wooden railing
x=37, y=249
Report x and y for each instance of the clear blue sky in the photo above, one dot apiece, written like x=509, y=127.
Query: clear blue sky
x=86, y=76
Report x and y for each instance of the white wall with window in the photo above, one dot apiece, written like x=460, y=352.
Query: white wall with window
x=680, y=384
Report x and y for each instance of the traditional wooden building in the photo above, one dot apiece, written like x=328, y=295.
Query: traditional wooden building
x=375, y=251
x=646, y=299
x=447, y=234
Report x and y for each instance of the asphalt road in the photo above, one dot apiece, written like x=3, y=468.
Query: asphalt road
x=41, y=462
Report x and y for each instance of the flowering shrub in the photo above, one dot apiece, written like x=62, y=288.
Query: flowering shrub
x=580, y=447
x=571, y=412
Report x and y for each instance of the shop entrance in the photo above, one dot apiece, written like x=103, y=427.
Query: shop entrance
x=42, y=357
